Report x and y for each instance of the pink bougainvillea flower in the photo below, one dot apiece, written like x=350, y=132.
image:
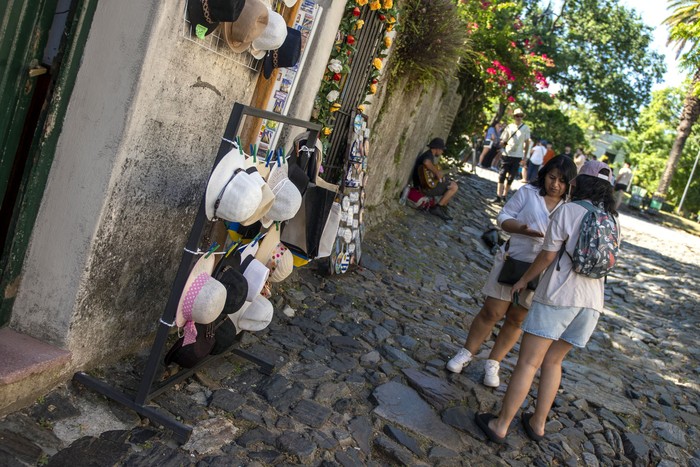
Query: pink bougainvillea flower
x=511, y=99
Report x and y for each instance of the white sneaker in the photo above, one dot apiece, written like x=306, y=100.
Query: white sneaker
x=491, y=378
x=459, y=361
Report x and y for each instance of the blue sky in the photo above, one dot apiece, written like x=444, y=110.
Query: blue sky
x=653, y=12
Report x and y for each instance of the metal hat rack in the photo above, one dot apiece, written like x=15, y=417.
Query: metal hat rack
x=148, y=389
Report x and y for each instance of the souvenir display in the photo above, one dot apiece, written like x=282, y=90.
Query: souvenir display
x=347, y=249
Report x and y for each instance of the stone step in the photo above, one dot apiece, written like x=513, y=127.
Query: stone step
x=28, y=368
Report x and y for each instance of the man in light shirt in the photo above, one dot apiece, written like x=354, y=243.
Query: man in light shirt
x=515, y=141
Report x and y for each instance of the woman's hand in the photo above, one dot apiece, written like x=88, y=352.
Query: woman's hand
x=517, y=288
x=526, y=230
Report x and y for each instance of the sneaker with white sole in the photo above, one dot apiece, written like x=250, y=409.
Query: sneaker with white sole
x=459, y=361
x=491, y=378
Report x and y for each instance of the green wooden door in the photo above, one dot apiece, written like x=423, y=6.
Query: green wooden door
x=30, y=91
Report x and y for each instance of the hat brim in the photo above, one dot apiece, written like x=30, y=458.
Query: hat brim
x=221, y=174
x=268, y=245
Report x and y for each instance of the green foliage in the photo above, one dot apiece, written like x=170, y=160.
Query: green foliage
x=433, y=39
x=547, y=121
x=684, y=24
x=656, y=126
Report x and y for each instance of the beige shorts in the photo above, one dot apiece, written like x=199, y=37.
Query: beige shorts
x=495, y=289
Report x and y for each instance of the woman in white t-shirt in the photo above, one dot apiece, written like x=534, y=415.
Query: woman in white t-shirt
x=525, y=216
x=564, y=312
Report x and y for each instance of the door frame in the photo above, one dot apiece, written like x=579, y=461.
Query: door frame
x=35, y=16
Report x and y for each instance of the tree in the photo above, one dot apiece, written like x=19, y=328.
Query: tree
x=684, y=25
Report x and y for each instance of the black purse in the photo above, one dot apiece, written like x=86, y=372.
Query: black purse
x=514, y=269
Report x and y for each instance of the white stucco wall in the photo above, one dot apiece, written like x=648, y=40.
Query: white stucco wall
x=142, y=129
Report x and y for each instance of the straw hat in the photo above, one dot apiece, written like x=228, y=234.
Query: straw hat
x=275, y=256
x=250, y=24
x=232, y=194
x=287, y=196
x=202, y=300
x=272, y=37
x=267, y=197
x=253, y=316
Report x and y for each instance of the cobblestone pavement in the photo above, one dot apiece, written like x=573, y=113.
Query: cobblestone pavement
x=360, y=376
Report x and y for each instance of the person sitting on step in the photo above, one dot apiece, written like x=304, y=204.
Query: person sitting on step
x=428, y=178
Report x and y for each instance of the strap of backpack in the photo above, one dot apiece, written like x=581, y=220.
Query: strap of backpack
x=590, y=208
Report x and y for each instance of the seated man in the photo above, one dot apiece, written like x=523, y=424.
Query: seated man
x=428, y=178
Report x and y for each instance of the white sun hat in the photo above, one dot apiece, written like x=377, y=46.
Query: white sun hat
x=232, y=194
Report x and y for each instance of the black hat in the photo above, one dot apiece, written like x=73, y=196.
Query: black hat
x=437, y=143
x=236, y=288
x=216, y=10
x=286, y=56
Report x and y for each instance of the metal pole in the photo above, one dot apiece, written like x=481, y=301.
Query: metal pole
x=687, y=185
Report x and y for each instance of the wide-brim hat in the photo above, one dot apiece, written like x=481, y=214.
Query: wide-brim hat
x=236, y=288
x=216, y=10
x=272, y=37
x=255, y=315
x=287, y=196
x=286, y=56
x=275, y=256
x=203, y=297
x=518, y=111
x=250, y=24
x=232, y=194
x=256, y=273
x=267, y=197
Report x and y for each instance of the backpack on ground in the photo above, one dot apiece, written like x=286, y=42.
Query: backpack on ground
x=417, y=200
x=598, y=243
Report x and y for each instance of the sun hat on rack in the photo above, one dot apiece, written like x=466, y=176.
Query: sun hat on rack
x=204, y=15
x=255, y=315
x=286, y=56
x=232, y=194
x=275, y=256
x=255, y=272
x=271, y=38
x=267, y=196
x=287, y=196
x=250, y=24
x=202, y=300
x=236, y=288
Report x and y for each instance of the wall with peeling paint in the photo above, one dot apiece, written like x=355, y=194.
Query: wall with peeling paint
x=140, y=135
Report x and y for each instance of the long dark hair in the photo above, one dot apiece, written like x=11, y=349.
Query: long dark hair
x=566, y=167
x=596, y=190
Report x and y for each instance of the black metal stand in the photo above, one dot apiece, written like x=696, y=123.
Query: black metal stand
x=146, y=390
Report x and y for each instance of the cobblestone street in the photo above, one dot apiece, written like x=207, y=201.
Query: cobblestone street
x=360, y=368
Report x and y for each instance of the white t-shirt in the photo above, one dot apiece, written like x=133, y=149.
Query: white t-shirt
x=624, y=176
x=560, y=285
x=515, y=147
x=528, y=207
x=537, y=155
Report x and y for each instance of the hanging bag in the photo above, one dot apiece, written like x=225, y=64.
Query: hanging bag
x=514, y=269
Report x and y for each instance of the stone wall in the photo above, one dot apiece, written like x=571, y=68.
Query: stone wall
x=404, y=118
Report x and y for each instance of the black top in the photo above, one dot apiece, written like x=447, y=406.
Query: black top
x=419, y=161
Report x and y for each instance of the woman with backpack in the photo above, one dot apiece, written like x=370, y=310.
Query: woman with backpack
x=568, y=299
x=525, y=216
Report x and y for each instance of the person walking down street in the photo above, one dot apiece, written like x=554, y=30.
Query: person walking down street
x=579, y=159
x=428, y=178
x=535, y=160
x=515, y=141
x=564, y=311
x=525, y=216
x=624, y=177
x=490, y=155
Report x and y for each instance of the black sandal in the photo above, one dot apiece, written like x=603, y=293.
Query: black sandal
x=482, y=420
x=528, y=428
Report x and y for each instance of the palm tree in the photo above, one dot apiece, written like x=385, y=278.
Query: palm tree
x=685, y=34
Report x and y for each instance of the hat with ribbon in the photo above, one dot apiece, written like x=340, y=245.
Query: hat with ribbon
x=232, y=194
x=267, y=197
x=250, y=24
x=202, y=300
x=255, y=315
x=277, y=257
x=205, y=15
x=271, y=38
x=287, y=196
x=286, y=56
